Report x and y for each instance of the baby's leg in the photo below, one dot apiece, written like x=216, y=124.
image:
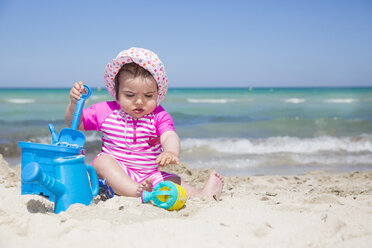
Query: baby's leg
x=212, y=187
x=108, y=168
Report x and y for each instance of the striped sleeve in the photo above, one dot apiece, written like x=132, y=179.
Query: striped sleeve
x=163, y=121
x=95, y=115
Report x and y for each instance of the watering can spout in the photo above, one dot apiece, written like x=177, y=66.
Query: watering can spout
x=32, y=172
x=146, y=196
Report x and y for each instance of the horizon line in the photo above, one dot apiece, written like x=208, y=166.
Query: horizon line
x=204, y=87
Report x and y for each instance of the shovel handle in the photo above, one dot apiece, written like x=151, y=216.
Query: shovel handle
x=79, y=108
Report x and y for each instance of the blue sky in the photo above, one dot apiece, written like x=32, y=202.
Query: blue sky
x=202, y=43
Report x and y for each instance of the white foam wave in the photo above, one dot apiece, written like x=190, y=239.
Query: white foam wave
x=294, y=100
x=341, y=100
x=283, y=163
x=42, y=140
x=326, y=159
x=90, y=137
x=225, y=163
x=100, y=97
x=93, y=137
x=19, y=100
x=193, y=100
x=281, y=145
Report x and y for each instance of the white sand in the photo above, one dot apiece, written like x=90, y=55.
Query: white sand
x=312, y=210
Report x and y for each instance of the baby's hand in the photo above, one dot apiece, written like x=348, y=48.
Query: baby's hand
x=75, y=92
x=166, y=158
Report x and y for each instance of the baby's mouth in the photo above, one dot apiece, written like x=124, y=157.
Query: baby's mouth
x=138, y=110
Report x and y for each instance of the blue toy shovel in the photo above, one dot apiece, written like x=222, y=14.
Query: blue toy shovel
x=71, y=136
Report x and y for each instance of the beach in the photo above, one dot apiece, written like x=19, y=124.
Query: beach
x=275, y=97
x=316, y=209
x=296, y=164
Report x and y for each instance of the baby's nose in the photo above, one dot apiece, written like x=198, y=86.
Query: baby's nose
x=139, y=100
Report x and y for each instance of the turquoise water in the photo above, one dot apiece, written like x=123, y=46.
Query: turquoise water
x=237, y=131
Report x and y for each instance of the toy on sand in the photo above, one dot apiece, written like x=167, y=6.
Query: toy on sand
x=167, y=195
x=70, y=183
x=58, y=170
x=105, y=191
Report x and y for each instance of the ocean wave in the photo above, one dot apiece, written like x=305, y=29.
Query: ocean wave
x=98, y=98
x=341, y=100
x=294, y=100
x=193, y=100
x=284, y=164
x=27, y=123
x=19, y=100
x=92, y=137
x=274, y=145
x=327, y=159
x=222, y=164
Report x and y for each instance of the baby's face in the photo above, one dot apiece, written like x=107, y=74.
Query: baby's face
x=137, y=96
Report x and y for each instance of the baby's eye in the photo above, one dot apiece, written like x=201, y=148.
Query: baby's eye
x=129, y=95
x=148, y=96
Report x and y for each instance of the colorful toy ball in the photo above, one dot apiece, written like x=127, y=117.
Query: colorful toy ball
x=167, y=195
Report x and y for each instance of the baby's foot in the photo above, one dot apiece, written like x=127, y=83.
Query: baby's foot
x=213, y=186
x=144, y=185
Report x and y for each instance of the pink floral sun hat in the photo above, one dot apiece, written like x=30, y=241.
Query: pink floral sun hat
x=144, y=58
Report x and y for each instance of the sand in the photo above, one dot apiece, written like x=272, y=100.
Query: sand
x=312, y=210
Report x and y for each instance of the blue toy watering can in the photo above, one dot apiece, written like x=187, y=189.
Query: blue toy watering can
x=167, y=195
x=70, y=183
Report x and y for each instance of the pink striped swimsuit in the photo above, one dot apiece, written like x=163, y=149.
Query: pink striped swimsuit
x=134, y=144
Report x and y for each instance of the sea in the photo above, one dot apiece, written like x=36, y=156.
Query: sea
x=236, y=131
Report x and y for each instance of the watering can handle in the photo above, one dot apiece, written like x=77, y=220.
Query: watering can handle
x=148, y=196
x=79, y=108
x=54, y=133
x=93, y=180
x=162, y=192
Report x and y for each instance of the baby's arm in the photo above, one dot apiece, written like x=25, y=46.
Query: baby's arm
x=170, y=143
x=75, y=95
